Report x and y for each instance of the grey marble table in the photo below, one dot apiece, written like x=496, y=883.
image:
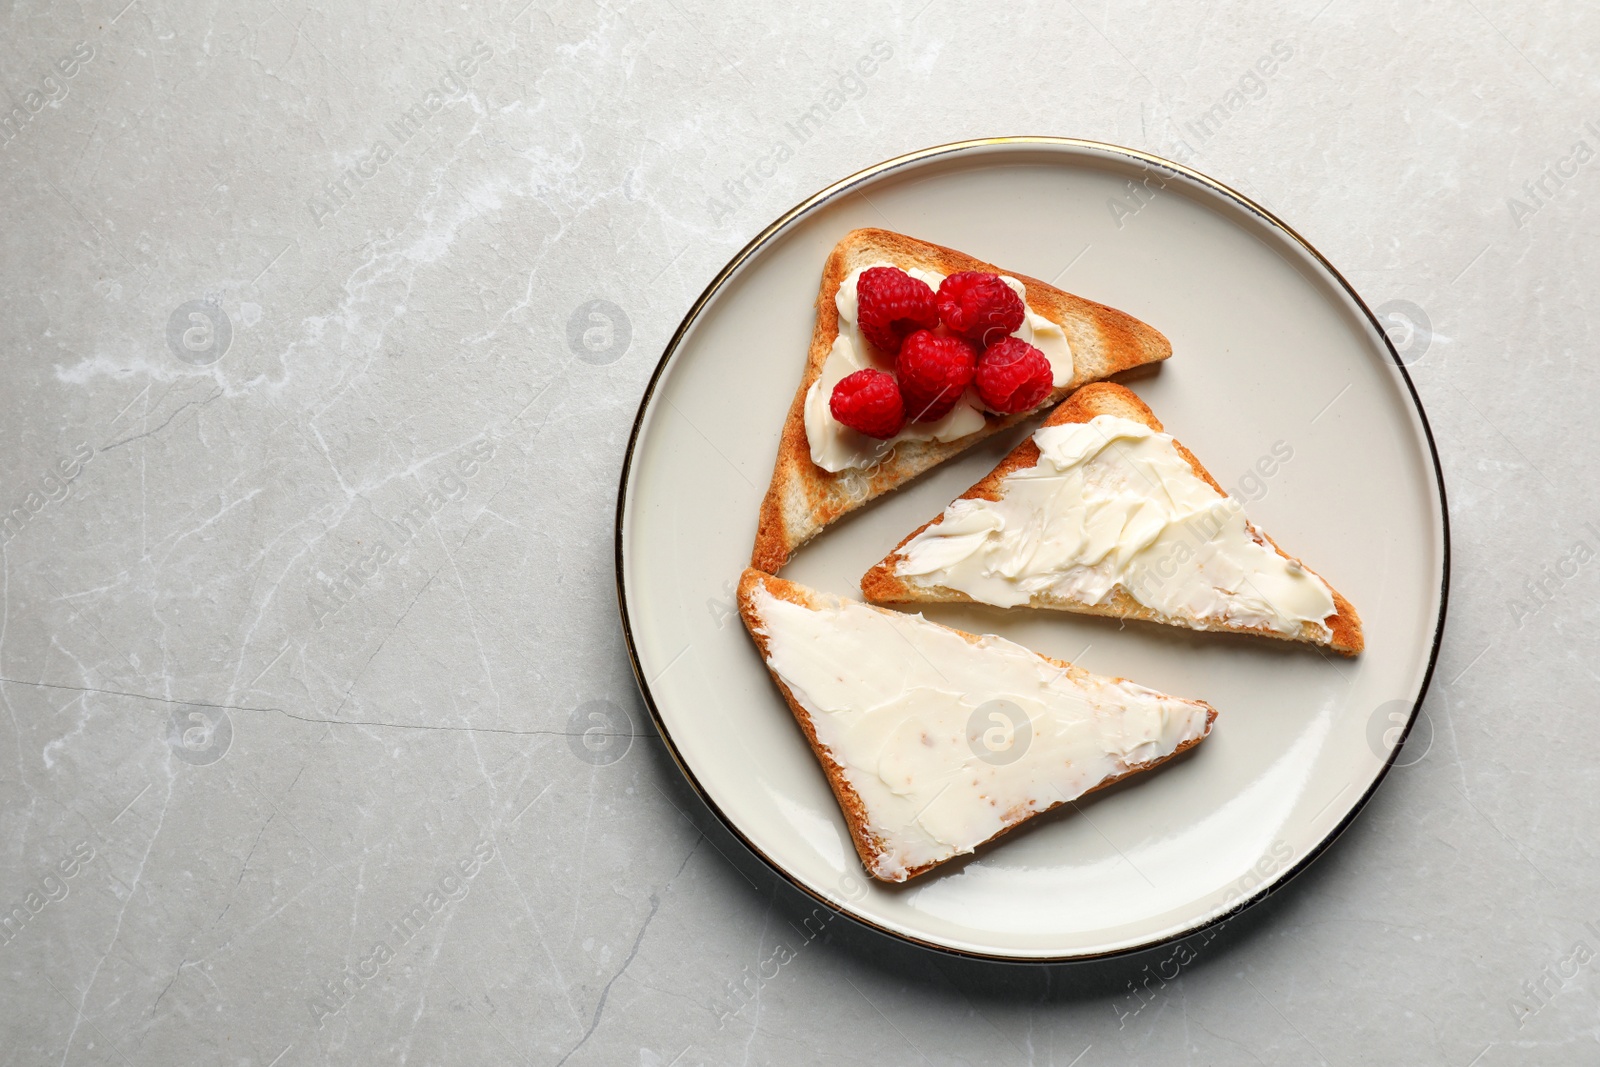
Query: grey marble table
x=323, y=330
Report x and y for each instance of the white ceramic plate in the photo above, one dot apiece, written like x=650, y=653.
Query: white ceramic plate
x=1271, y=348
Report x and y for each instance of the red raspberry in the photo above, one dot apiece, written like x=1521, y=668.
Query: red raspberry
x=869, y=401
x=934, y=371
x=979, y=307
x=890, y=304
x=1013, y=376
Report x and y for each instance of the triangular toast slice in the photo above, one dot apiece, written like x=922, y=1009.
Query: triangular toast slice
x=805, y=497
x=1103, y=513
x=937, y=741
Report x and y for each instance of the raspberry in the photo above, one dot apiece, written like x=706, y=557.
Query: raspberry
x=890, y=304
x=869, y=401
x=934, y=371
x=979, y=307
x=1013, y=376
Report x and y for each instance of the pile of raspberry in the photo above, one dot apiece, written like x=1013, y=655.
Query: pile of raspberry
x=901, y=316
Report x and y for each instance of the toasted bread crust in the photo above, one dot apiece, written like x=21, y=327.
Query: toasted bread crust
x=803, y=498
x=882, y=585
x=869, y=845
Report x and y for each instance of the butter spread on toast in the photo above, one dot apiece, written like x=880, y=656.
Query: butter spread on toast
x=1111, y=503
x=936, y=740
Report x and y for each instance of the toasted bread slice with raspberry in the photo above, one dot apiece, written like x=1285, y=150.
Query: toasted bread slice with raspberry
x=937, y=741
x=1155, y=578
x=803, y=498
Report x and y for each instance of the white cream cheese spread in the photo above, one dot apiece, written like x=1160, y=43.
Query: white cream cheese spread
x=836, y=447
x=1112, y=504
x=948, y=742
